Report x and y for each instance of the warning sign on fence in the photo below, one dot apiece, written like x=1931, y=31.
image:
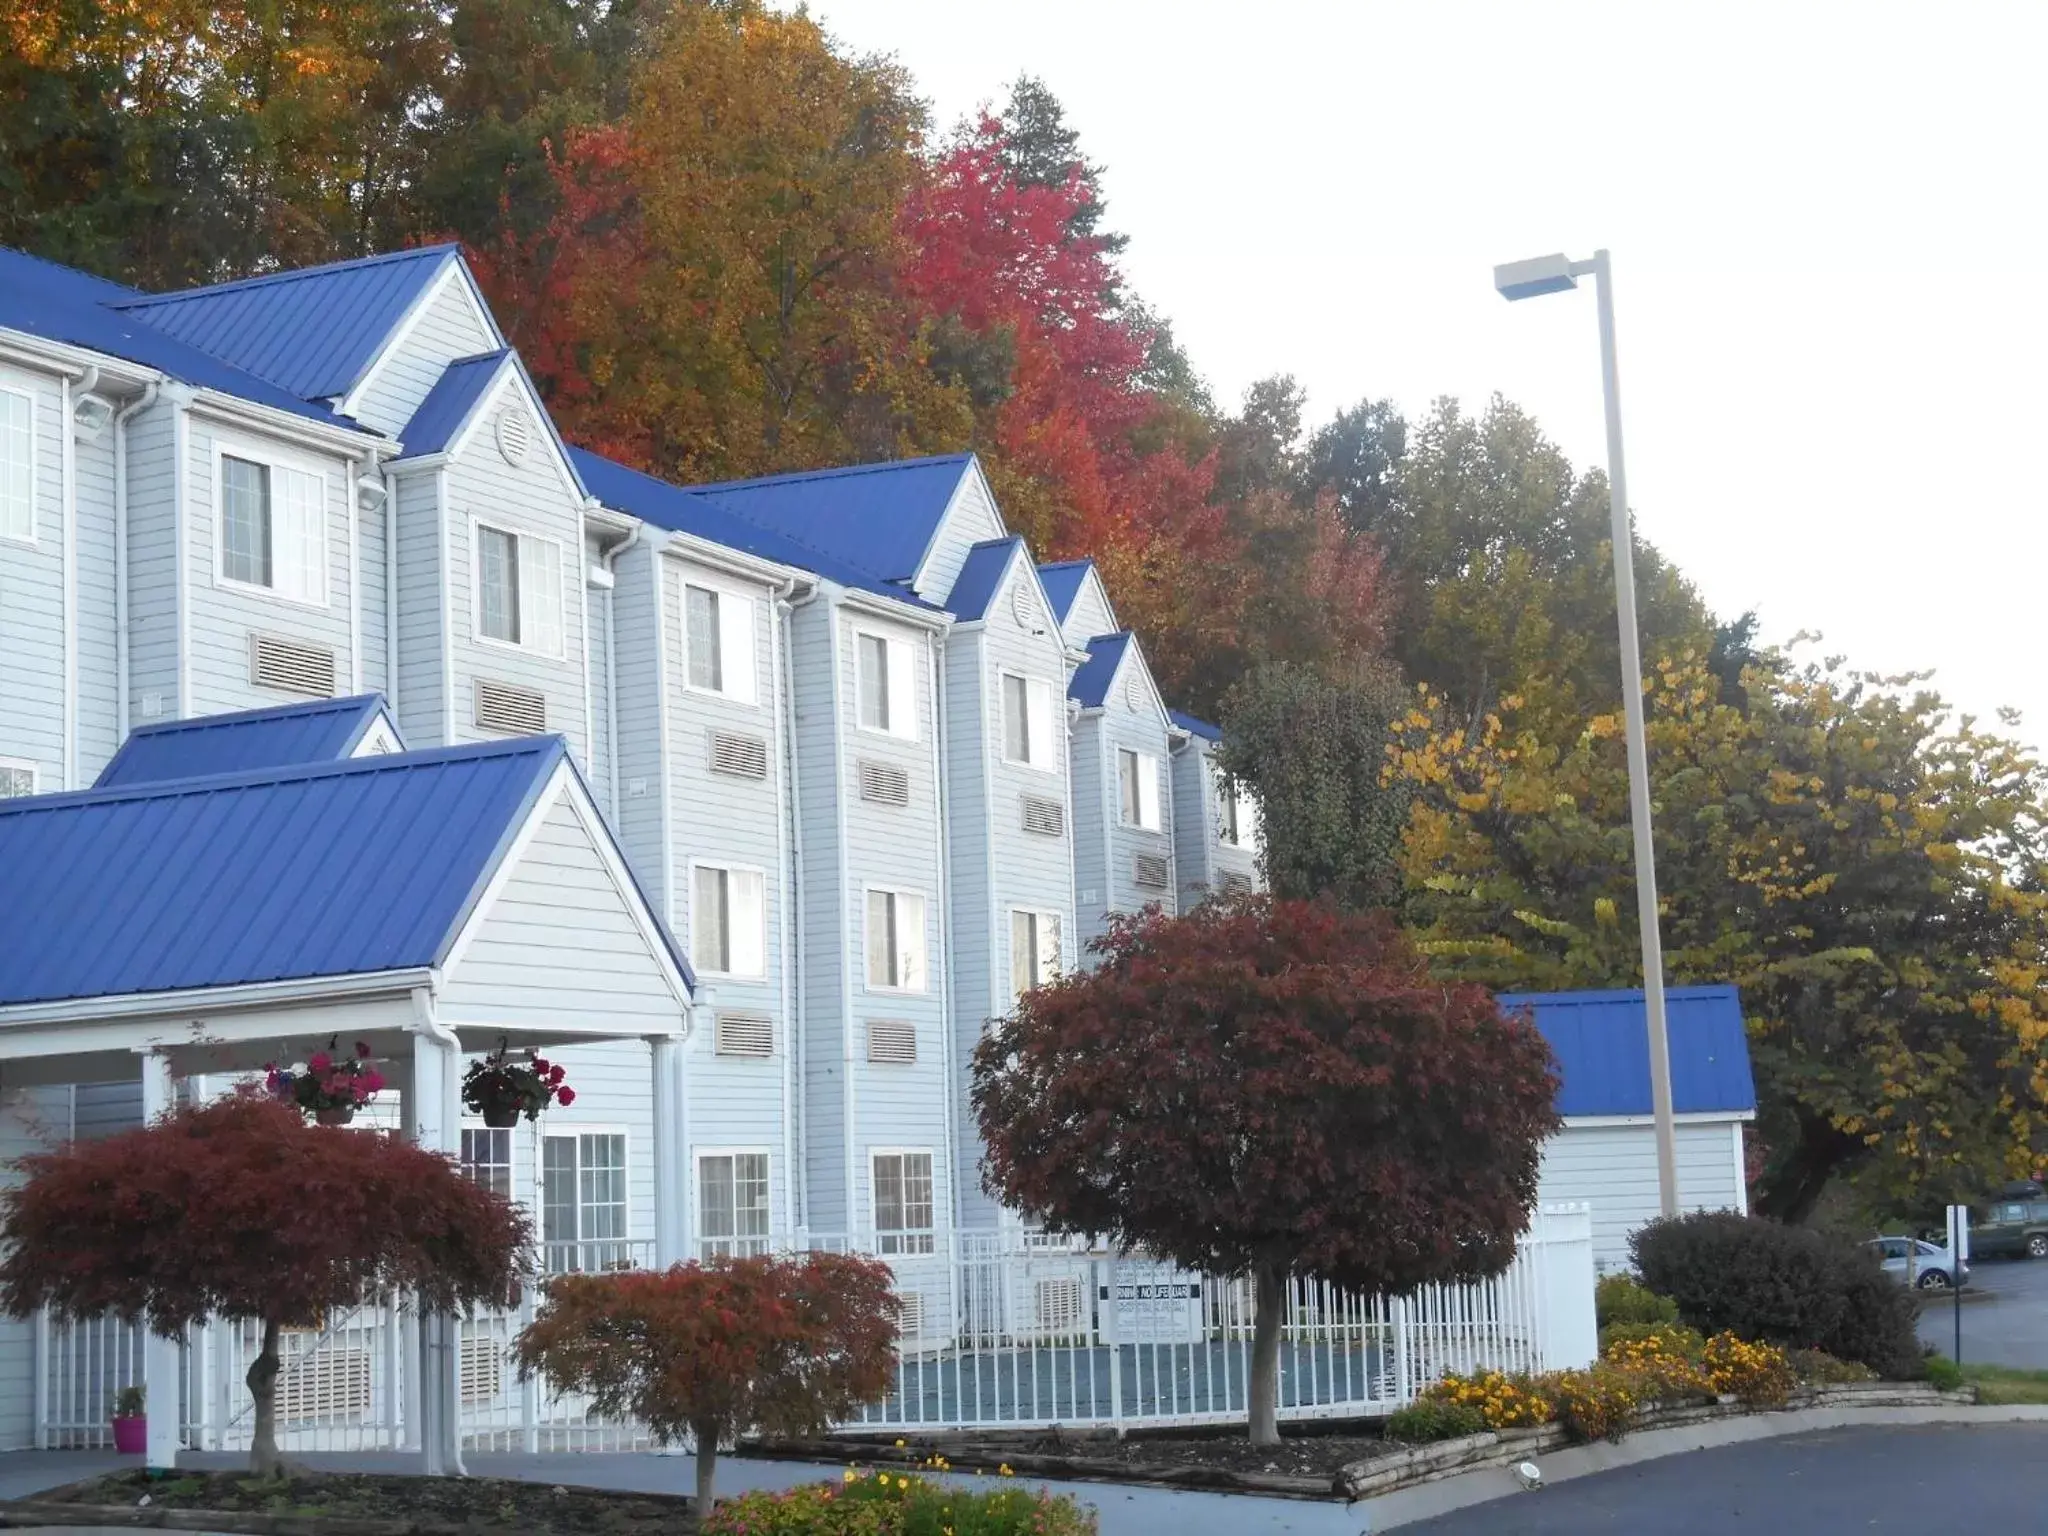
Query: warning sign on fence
x=1153, y=1303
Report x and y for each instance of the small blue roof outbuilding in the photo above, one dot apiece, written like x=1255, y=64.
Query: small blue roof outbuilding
x=1602, y=1044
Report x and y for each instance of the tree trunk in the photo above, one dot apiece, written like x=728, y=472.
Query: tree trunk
x=707, y=1468
x=1789, y=1190
x=1269, y=1307
x=262, y=1379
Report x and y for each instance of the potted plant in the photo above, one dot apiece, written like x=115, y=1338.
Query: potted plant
x=501, y=1089
x=327, y=1087
x=131, y=1428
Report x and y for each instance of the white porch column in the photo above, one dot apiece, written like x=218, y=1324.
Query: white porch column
x=671, y=1154
x=433, y=1114
x=406, y=1355
x=163, y=1400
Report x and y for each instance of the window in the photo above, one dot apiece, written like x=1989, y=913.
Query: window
x=518, y=590
x=17, y=466
x=18, y=777
x=732, y=1204
x=718, y=642
x=273, y=529
x=1138, y=783
x=1034, y=950
x=487, y=1158
x=1237, y=814
x=583, y=1201
x=888, y=695
x=1027, y=722
x=903, y=1202
x=729, y=922
x=896, y=941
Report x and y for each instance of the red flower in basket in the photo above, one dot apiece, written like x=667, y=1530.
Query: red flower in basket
x=329, y=1090
x=502, y=1088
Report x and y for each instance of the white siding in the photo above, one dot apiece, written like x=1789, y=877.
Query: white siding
x=1194, y=824
x=31, y=1119
x=636, y=631
x=422, y=613
x=96, y=630
x=153, y=566
x=375, y=578
x=449, y=327
x=1089, y=615
x=1107, y=851
x=597, y=683
x=825, y=943
x=32, y=598
x=1613, y=1168
x=970, y=519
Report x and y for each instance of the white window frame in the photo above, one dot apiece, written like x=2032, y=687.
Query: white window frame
x=273, y=461
x=511, y=1163
x=902, y=724
x=1140, y=778
x=730, y=868
x=1046, y=760
x=923, y=938
x=572, y=1132
x=35, y=464
x=765, y=1241
x=476, y=589
x=1042, y=914
x=906, y=1236
x=749, y=693
x=27, y=765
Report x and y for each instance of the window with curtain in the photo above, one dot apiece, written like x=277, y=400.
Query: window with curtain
x=903, y=1203
x=519, y=590
x=273, y=529
x=1034, y=949
x=1138, y=788
x=729, y=921
x=17, y=466
x=896, y=941
x=732, y=1204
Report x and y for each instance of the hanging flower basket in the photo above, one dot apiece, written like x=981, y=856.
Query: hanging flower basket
x=330, y=1088
x=502, y=1089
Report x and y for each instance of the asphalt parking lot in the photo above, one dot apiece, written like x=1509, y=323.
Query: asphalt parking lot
x=2008, y=1327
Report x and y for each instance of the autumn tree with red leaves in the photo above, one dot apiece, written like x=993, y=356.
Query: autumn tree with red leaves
x=241, y=1209
x=782, y=1343
x=1274, y=1089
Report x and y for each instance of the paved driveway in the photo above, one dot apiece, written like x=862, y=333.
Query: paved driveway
x=2009, y=1329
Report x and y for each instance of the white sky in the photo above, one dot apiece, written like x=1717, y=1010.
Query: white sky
x=1827, y=226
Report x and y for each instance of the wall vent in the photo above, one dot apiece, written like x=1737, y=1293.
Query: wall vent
x=515, y=434
x=744, y=757
x=1056, y=1305
x=515, y=711
x=893, y=1041
x=1020, y=605
x=1150, y=869
x=910, y=1314
x=1134, y=695
x=883, y=784
x=746, y=1034
x=1048, y=818
x=292, y=665
x=1231, y=883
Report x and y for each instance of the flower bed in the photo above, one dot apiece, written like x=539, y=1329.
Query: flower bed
x=900, y=1504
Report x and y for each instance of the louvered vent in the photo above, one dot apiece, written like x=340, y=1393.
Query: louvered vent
x=323, y=1383
x=1020, y=605
x=483, y=1366
x=892, y=1040
x=1234, y=884
x=1150, y=869
x=883, y=784
x=515, y=434
x=292, y=665
x=516, y=711
x=1134, y=695
x=746, y=1034
x=744, y=757
x=1048, y=818
x=1056, y=1305
x=910, y=1314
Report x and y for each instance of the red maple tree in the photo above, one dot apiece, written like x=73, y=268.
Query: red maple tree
x=1275, y=1089
x=781, y=1343
x=241, y=1209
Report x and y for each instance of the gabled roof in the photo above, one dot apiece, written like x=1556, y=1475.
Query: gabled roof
x=58, y=304
x=1601, y=1041
x=451, y=402
x=981, y=577
x=1062, y=581
x=1094, y=678
x=313, y=331
x=685, y=511
x=330, y=869
x=878, y=518
x=324, y=731
x=1195, y=727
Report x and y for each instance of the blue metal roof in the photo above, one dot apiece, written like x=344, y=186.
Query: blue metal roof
x=879, y=518
x=59, y=304
x=684, y=511
x=981, y=577
x=1601, y=1041
x=313, y=331
x=1194, y=727
x=324, y=731
x=1092, y=679
x=1062, y=581
x=451, y=402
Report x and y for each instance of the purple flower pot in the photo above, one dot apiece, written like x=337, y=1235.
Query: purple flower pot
x=131, y=1436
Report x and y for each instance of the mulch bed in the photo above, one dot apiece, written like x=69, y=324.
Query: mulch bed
x=361, y=1504
x=1295, y=1456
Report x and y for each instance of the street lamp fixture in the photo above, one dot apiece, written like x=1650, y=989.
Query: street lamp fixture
x=1527, y=280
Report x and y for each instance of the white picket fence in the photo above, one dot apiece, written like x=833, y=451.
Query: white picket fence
x=1000, y=1329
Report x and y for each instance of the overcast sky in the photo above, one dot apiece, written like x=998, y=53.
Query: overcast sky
x=1827, y=228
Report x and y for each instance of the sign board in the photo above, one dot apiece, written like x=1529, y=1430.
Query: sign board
x=1149, y=1302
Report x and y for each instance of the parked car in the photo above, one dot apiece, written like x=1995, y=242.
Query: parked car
x=2011, y=1228
x=1922, y=1265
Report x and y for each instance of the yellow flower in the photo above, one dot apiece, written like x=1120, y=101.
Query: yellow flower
x=851, y=1476
x=1004, y=1470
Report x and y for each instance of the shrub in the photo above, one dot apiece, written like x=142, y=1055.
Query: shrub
x=1759, y=1375
x=1821, y=1369
x=1943, y=1373
x=1600, y=1403
x=1508, y=1402
x=1623, y=1301
x=1666, y=1360
x=1780, y=1285
x=899, y=1504
x=1430, y=1418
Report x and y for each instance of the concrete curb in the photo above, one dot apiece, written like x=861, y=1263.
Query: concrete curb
x=1425, y=1501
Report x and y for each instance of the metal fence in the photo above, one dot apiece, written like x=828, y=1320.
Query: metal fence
x=999, y=1329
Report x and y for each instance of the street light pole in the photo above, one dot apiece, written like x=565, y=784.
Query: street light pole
x=1550, y=274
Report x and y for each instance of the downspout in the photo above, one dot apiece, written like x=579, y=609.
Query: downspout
x=391, y=594
x=181, y=557
x=855, y=968
x=789, y=858
x=355, y=579
x=68, y=470
x=935, y=650
x=611, y=665
x=134, y=407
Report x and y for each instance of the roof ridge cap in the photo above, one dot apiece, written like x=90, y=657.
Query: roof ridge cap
x=145, y=300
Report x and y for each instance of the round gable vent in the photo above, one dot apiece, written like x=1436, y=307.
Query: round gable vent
x=515, y=434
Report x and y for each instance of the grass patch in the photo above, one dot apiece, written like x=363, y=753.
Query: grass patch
x=2006, y=1384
